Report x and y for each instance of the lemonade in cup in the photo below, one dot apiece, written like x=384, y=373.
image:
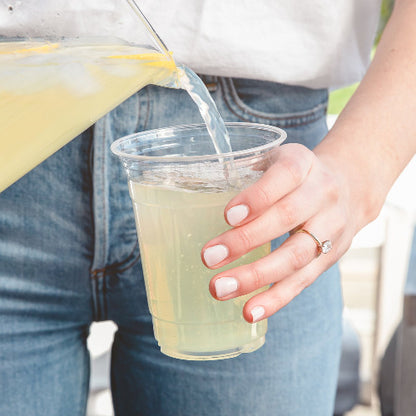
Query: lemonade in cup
x=179, y=187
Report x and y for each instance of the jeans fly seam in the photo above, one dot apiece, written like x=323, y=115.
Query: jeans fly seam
x=95, y=276
x=97, y=273
x=105, y=309
x=138, y=112
x=104, y=246
x=146, y=120
x=98, y=277
x=91, y=178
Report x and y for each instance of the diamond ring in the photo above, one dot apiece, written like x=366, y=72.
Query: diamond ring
x=324, y=247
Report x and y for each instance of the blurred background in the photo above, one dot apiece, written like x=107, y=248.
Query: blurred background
x=380, y=305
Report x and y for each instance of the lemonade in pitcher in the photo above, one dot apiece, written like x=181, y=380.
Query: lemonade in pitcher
x=52, y=91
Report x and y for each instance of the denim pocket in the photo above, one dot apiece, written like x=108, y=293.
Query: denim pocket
x=273, y=103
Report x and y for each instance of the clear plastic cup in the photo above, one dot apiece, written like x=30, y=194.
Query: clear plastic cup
x=179, y=187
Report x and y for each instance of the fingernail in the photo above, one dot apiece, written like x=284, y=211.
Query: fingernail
x=225, y=286
x=257, y=313
x=237, y=214
x=215, y=254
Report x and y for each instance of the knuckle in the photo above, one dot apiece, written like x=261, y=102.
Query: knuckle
x=293, y=170
x=287, y=214
x=245, y=238
x=280, y=299
x=297, y=167
x=302, y=283
x=263, y=196
x=341, y=244
x=332, y=187
x=299, y=256
x=258, y=277
x=339, y=225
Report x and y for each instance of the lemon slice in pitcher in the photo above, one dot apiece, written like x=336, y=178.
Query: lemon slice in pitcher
x=154, y=59
x=7, y=48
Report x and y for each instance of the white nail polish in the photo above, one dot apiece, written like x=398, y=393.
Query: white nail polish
x=237, y=214
x=225, y=286
x=257, y=313
x=215, y=254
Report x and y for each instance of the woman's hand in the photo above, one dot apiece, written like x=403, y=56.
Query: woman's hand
x=331, y=192
x=298, y=190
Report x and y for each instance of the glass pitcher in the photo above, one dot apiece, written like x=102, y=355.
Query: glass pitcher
x=63, y=65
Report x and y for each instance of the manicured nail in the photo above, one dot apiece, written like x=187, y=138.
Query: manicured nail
x=225, y=286
x=215, y=254
x=237, y=214
x=257, y=313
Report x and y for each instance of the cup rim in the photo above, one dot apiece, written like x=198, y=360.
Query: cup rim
x=257, y=126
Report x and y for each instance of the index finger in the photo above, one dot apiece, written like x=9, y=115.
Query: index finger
x=288, y=172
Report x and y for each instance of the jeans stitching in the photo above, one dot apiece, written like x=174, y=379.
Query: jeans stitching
x=105, y=196
x=132, y=264
x=100, y=297
x=146, y=121
x=236, y=106
x=95, y=275
x=91, y=178
x=104, y=290
x=132, y=257
x=129, y=261
x=147, y=115
x=244, y=107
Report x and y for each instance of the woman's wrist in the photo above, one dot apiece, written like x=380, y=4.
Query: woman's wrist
x=358, y=172
x=374, y=137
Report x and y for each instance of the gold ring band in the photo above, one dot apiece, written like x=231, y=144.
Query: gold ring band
x=324, y=247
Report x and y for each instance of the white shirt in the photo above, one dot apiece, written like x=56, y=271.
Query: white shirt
x=318, y=44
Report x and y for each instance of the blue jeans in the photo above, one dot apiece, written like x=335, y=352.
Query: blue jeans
x=69, y=256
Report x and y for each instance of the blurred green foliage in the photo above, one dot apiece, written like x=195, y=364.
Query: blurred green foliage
x=386, y=9
x=339, y=98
